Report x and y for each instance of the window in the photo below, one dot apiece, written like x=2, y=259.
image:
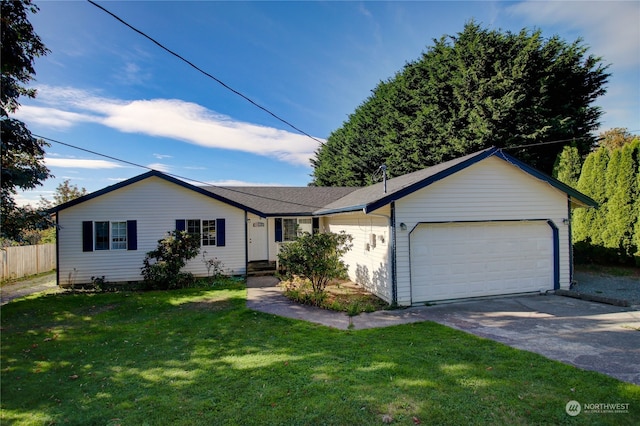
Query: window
x=102, y=235
x=211, y=232
x=118, y=235
x=290, y=229
x=208, y=232
x=193, y=227
x=105, y=235
x=305, y=225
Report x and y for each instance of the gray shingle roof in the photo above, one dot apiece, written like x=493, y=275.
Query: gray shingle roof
x=364, y=198
x=282, y=201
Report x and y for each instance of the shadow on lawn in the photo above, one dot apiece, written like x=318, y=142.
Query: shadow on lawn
x=200, y=357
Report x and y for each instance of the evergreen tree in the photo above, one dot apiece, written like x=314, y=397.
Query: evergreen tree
x=588, y=224
x=568, y=166
x=636, y=231
x=622, y=213
x=609, y=233
x=467, y=92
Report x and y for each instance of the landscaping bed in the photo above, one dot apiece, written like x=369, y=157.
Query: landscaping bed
x=339, y=295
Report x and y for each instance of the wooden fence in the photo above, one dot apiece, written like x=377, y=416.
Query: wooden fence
x=22, y=261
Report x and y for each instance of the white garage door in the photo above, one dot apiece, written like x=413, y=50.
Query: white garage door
x=460, y=260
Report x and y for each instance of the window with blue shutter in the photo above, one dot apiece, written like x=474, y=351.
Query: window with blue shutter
x=132, y=235
x=87, y=235
x=278, y=229
x=210, y=228
x=106, y=235
x=220, y=232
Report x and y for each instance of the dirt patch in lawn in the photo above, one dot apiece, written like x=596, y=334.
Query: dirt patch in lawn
x=97, y=310
x=209, y=305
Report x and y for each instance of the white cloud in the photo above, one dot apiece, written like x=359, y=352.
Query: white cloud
x=80, y=163
x=159, y=167
x=169, y=118
x=610, y=28
x=162, y=156
x=51, y=117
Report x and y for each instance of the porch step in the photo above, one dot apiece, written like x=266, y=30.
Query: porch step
x=260, y=268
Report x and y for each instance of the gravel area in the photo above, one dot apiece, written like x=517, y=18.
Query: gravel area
x=610, y=286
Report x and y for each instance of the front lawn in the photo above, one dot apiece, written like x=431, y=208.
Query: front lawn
x=198, y=356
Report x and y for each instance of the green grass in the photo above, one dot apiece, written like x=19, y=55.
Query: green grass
x=199, y=357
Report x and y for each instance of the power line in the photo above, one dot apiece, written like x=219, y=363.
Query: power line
x=598, y=138
x=192, y=65
x=549, y=142
x=173, y=174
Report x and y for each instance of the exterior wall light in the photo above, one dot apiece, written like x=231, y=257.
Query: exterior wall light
x=403, y=226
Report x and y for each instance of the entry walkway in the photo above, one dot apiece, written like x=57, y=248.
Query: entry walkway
x=263, y=295
x=589, y=335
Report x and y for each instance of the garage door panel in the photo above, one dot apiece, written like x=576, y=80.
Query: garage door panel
x=461, y=260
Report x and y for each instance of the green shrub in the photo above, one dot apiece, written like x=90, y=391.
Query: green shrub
x=316, y=258
x=161, y=270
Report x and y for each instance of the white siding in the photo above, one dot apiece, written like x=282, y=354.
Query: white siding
x=369, y=266
x=274, y=247
x=488, y=190
x=155, y=204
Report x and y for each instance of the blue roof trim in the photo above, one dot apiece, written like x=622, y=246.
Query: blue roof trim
x=550, y=180
x=152, y=173
x=431, y=179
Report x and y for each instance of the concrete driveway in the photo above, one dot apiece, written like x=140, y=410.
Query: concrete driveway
x=588, y=335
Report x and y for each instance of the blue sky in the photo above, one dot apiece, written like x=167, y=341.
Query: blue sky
x=107, y=89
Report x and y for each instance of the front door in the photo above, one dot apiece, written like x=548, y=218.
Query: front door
x=258, y=240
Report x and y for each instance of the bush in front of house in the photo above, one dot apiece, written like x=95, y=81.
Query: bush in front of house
x=316, y=258
x=161, y=270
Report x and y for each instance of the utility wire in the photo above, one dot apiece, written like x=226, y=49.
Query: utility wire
x=598, y=138
x=549, y=143
x=175, y=175
x=192, y=65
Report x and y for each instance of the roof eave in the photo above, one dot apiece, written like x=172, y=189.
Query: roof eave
x=153, y=173
x=349, y=209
